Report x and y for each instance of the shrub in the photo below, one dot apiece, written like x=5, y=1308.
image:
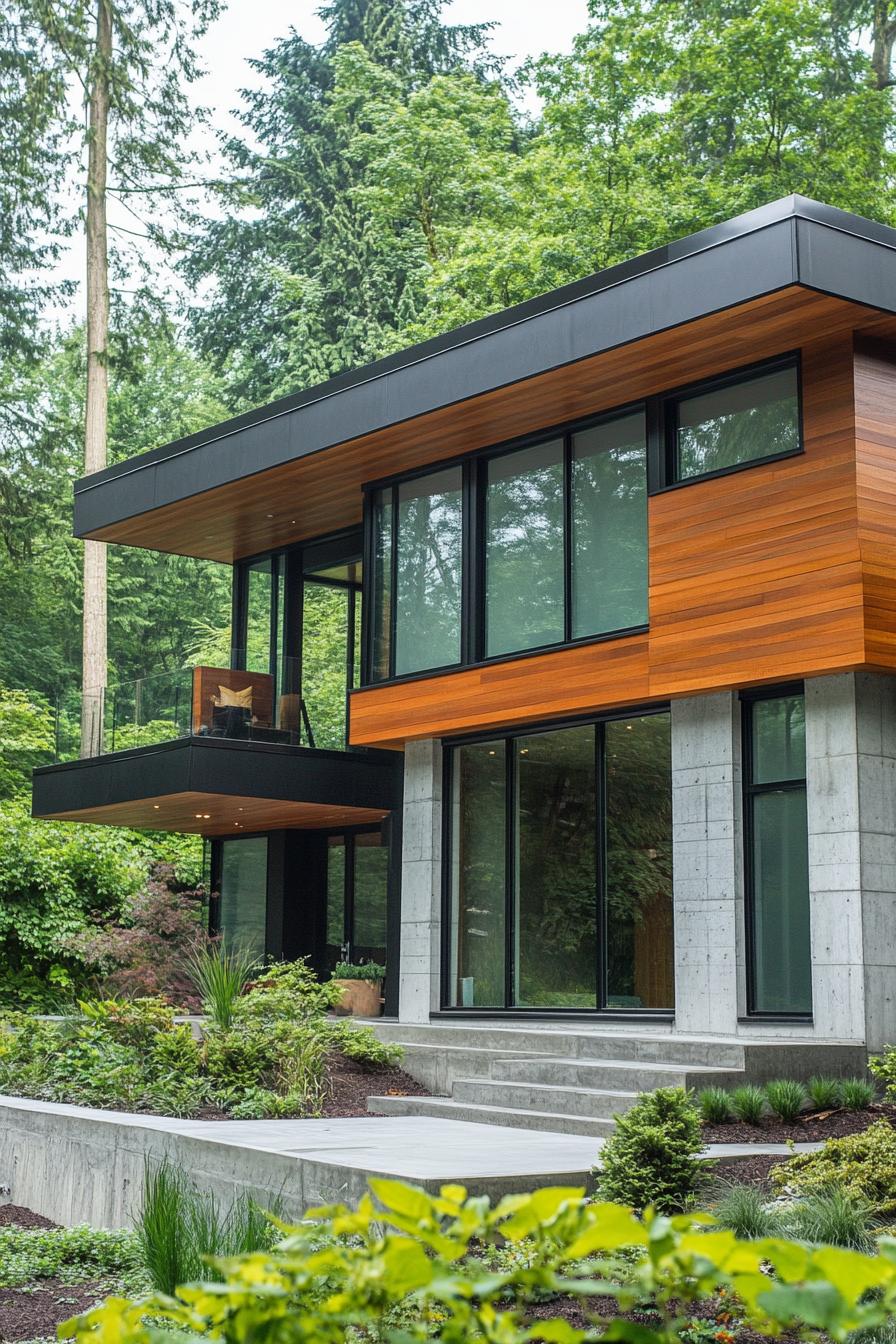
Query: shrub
x=883, y=1067
x=367, y=970
x=147, y=952
x=834, y=1217
x=858, y=1094
x=864, y=1165
x=651, y=1159
x=362, y=1045
x=825, y=1094
x=744, y=1209
x=179, y=1228
x=420, y=1266
x=748, y=1103
x=786, y=1098
x=220, y=975
x=714, y=1104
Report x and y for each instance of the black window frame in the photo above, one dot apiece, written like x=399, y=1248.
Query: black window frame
x=659, y=411
x=749, y=792
x=508, y=736
x=473, y=562
x=665, y=423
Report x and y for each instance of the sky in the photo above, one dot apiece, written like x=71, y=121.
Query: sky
x=524, y=28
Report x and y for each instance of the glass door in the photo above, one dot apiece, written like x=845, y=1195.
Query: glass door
x=357, y=888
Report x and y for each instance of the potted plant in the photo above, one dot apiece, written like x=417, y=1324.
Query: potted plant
x=361, y=987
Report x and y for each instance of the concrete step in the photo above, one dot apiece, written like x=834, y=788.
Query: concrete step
x=570, y=1041
x=437, y=1067
x=609, y=1075
x=548, y=1099
x=447, y=1108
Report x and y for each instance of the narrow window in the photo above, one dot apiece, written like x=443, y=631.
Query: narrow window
x=259, y=616
x=609, y=526
x=478, y=826
x=381, y=600
x=524, y=549
x=428, y=578
x=778, y=865
x=735, y=424
x=244, y=894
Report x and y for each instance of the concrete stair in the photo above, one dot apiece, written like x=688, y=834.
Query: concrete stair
x=572, y=1080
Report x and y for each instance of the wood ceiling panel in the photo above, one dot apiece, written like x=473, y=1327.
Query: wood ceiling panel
x=213, y=814
x=320, y=493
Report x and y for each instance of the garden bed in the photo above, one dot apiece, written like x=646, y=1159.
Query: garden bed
x=810, y=1128
x=348, y=1086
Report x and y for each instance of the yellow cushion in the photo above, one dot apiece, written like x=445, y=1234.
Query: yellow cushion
x=239, y=699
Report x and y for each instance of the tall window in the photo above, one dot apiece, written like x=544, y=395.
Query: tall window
x=778, y=864
x=417, y=578
x=609, y=526
x=524, y=566
x=243, y=894
x=739, y=421
x=357, y=886
x=561, y=869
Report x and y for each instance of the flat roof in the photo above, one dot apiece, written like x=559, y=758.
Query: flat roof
x=793, y=241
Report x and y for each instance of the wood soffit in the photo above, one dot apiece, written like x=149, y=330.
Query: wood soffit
x=321, y=492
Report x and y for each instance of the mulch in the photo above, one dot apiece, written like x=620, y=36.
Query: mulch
x=34, y=1313
x=810, y=1128
x=351, y=1084
x=13, y=1215
x=713, y=1311
x=743, y=1170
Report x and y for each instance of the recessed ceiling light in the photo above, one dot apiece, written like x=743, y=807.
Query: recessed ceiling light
x=206, y=816
x=155, y=807
x=198, y=816
x=269, y=515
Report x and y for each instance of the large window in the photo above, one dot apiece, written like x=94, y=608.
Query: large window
x=733, y=423
x=243, y=894
x=539, y=546
x=777, y=855
x=560, y=888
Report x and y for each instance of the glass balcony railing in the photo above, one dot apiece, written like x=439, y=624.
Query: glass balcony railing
x=216, y=702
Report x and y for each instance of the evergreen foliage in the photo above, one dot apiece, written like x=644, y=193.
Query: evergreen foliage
x=651, y=1159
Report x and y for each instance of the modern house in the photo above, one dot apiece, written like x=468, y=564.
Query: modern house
x=564, y=653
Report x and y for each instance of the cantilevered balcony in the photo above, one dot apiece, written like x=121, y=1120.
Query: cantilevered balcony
x=214, y=751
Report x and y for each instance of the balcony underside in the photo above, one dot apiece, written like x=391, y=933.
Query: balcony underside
x=207, y=786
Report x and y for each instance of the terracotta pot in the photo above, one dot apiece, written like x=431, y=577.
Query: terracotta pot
x=360, y=998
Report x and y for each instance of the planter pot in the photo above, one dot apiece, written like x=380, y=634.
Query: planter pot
x=360, y=998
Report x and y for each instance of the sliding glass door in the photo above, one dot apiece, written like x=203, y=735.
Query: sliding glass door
x=560, y=890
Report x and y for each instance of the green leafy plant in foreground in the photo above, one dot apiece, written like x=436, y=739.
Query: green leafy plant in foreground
x=414, y=1267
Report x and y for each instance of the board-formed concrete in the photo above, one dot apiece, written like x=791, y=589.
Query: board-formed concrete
x=74, y=1164
x=421, y=881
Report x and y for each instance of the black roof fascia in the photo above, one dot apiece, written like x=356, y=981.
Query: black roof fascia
x=368, y=779
x=791, y=241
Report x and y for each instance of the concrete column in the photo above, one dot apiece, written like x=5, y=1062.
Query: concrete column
x=421, y=881
x=707, y=862
x=851, y=797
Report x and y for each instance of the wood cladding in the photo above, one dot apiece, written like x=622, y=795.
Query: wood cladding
x=780, y=571
x=218, y=814
x=322, y=492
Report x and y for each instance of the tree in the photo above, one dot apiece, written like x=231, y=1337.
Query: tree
x=294, y=243
x=134, y=61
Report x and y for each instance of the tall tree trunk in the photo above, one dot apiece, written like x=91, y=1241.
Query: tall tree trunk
x=883, y=38
x=96, y=413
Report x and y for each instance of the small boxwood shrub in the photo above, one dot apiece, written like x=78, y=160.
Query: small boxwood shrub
x=864, y=1165
x=652, y=1158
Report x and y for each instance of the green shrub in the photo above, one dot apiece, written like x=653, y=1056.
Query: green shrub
x=864, y=1165
x=858, y=1094
x=220, y=975
x=744, y=1209
x=748, y=1103
x=714, y=1105
x=179, y=1228
x=651, y=1159
x=415, y=1266
x=883, y=1067
x=834, y=1217
x=366, y=970
x=825, y=1094
x=362, y=1045
x=786, y=1098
